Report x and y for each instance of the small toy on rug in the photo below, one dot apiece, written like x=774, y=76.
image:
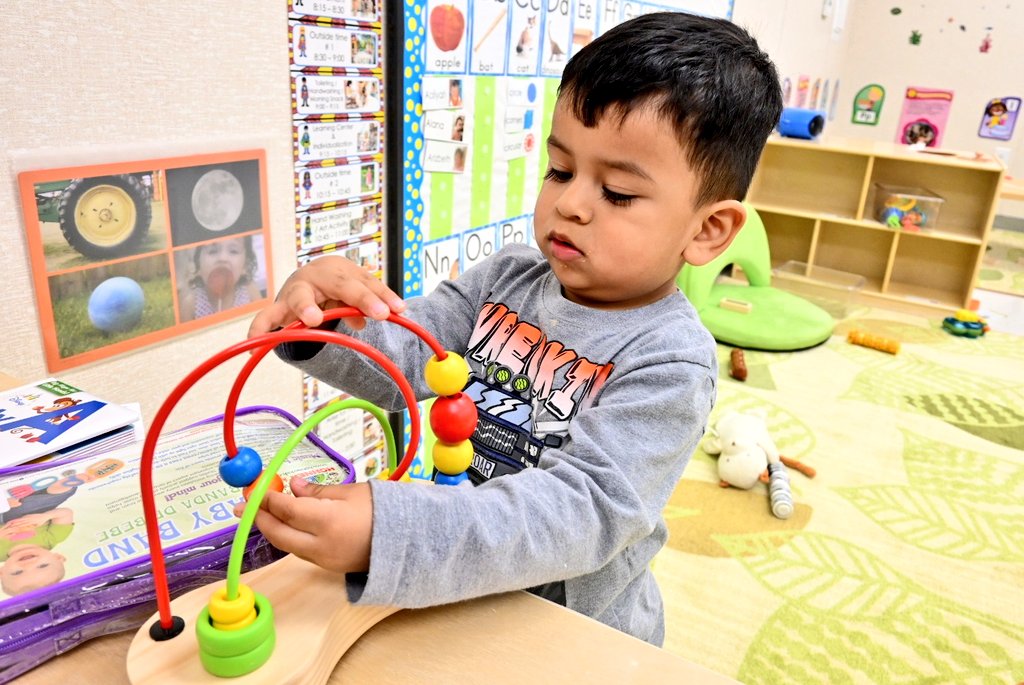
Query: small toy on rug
x=737, y=365
x=747, y=454
x=966, y=324
x=875, y=342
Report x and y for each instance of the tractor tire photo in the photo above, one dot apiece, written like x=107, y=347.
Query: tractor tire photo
x=105, y=217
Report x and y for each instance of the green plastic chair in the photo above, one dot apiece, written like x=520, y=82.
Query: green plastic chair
x=777, y=320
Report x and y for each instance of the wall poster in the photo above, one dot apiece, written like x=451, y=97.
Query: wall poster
x=923, y=119
x=132, y=253
x=479, y=79
x=999, y=118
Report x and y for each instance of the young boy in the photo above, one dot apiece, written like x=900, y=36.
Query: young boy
x=654, y=139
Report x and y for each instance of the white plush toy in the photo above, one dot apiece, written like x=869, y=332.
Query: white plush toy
x=746, y=455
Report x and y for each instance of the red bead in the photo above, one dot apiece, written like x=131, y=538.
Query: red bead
x=275, y=484
x=453, y=418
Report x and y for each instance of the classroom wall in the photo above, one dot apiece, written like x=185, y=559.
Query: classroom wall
x=100, y=81
x=798, y=36
x=875, y=47
x=948, y=57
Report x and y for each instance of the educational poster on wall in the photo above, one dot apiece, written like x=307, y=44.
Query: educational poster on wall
x=479, y=85
x=924, y=115
x=479, y=80
x=129, y=254
x=999, y=118
x=336, y=49
x=867, y=105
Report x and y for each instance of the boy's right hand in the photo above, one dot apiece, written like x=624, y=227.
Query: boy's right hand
x=326, y=283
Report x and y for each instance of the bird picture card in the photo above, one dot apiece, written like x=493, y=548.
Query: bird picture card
x=132, y=253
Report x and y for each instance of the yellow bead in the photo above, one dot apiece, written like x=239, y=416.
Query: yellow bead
x=452, y=459
x=224, y=611
x=238, y=625
x=448, y=376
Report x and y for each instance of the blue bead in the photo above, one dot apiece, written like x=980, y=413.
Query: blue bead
x=445, y=479
x=242, y=469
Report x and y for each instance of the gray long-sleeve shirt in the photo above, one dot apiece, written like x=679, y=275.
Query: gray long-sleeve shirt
x=616, y=404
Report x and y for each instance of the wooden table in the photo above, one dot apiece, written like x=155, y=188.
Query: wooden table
x=508, y=638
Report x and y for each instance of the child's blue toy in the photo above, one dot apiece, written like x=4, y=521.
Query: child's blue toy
x=801, y=123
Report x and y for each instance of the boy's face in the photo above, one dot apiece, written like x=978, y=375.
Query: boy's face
x=615, y=214
x=29, y=567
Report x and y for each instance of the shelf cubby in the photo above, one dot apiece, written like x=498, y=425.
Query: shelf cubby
x=968, y=195
x=934, y=270
x=789, y=237
x=855, y=249
x=815, y=180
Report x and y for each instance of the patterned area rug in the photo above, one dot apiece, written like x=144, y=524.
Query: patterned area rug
x=904, y=559
x=1002, y=268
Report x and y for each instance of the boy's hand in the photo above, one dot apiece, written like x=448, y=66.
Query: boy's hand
x=325, y=283
x=328, y=525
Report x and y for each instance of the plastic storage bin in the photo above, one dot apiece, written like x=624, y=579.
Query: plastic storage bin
x=906, y=207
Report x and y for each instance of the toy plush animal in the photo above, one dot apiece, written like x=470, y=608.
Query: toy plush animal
x=746, y=452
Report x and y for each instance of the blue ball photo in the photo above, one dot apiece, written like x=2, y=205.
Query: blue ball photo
x=116, y=305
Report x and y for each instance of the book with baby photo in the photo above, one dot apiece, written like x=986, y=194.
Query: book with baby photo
x=50, y=415
x=74, y=553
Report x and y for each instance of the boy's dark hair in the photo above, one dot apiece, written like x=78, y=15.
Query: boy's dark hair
x=707, y=76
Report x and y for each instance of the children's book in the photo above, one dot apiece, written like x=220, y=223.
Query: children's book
x=48, y=416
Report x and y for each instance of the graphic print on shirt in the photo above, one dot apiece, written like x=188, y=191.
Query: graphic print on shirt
x=527, y=389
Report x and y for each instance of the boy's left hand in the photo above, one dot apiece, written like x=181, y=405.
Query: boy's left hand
x=328, y=525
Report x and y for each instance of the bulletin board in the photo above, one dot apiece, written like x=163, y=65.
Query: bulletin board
x=479, y=82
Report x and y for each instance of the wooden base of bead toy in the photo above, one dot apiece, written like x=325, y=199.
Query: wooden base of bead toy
x=314, y=624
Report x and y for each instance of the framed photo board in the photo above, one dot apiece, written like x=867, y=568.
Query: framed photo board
x=132, y=253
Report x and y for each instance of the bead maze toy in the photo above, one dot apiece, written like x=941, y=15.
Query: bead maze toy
x=297, y=627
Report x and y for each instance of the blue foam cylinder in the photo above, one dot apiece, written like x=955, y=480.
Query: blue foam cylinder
x=801, y=123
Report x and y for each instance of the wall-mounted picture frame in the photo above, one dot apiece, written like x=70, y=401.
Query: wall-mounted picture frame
x=133, y=253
